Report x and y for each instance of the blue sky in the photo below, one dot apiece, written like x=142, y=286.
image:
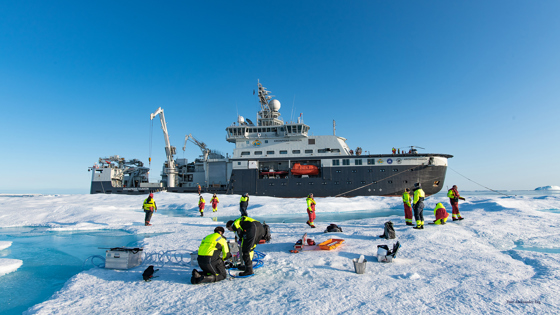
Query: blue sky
x=475, y=79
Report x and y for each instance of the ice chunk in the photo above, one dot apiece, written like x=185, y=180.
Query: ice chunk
x=5, y=244
x=361, y=260
x=9, y=265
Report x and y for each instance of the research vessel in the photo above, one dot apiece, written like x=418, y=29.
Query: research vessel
x=280, y=159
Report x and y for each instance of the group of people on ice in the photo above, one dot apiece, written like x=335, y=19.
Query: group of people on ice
x=416, y=202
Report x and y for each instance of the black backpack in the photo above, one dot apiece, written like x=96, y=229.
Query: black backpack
x=333, y=228
x=388, y=232
x=267, y=236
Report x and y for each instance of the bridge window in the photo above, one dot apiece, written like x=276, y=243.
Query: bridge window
x=258, y=152
x=283, y=152
x=358, y=162
x=335, y=162
x=245, y=153
x=296, y=151
x=345, y=161
x=269, y=152
x=308, y=151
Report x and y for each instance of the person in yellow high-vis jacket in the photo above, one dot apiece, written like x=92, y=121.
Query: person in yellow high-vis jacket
x=149, y=207
x=441, y=214
x=311, y=210
x=201, y=205
x=250, y=231
x=407, y=199
x=214, y=201
x=419, y=196
x=212, y=252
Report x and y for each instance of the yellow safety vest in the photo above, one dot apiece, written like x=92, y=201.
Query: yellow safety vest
x=209, y=245
x=419, y=193
x=147, y=205
x=310, y=201
x=406, y=198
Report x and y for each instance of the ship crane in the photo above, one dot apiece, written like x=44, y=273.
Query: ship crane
x=200, y=144
x=169, y=149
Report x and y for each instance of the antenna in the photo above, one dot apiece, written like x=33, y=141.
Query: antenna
x=293, y=107
x=334, y=127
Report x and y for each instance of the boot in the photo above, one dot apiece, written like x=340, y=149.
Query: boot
x=147, y=223
x=202, y=214
x=308, y=223
x=312, y=226
x=208, y=279
x=247, y=272
x=460, y=218
x=409, y=223
x=418, y=227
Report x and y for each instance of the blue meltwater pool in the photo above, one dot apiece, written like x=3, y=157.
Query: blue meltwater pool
x=49, y=260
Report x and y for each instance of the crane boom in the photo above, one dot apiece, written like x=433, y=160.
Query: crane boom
x=201, y=145
x=169, y=149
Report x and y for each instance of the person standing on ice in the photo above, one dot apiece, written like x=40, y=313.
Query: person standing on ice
x=250, y=231
x=419, y=196
x=441, y=214
x=149, y=207
x=214, y=201
x=311, y=210
x=212, y=252
x=407, y=199
x=201, y=204
x=454, y=197
x=243, y=204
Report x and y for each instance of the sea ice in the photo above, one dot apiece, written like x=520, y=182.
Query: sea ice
x=469, y=266
x=5, y=244
x=9, y=265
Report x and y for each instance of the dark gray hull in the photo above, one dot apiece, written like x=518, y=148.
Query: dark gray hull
x=341, y=181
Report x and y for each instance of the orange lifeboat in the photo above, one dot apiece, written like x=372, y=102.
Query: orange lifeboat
x=299, y=169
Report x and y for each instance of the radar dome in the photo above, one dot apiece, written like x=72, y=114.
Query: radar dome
x=240, y=120
x=274, y=105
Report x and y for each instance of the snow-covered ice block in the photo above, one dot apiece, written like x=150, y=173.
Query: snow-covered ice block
x=9, y=265
x=5, y=244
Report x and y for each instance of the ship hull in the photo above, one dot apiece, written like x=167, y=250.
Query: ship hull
x=341, y=182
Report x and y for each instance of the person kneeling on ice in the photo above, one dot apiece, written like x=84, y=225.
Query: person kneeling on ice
x=149, y=207
x=441, y=214
x=212, y=252
x=250, y=231
x=201, y=204
x=311, y=210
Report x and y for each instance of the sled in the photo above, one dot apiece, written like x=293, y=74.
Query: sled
x=331, y=244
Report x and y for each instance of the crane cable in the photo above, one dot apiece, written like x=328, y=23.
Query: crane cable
x=478, y=183
x=150, y=143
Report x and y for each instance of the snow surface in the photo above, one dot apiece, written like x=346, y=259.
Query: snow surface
x=9, y=265
x=5, y=244
x=472, y=266
x=548, y=188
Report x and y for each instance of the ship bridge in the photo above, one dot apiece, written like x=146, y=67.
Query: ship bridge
x=269, y=123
